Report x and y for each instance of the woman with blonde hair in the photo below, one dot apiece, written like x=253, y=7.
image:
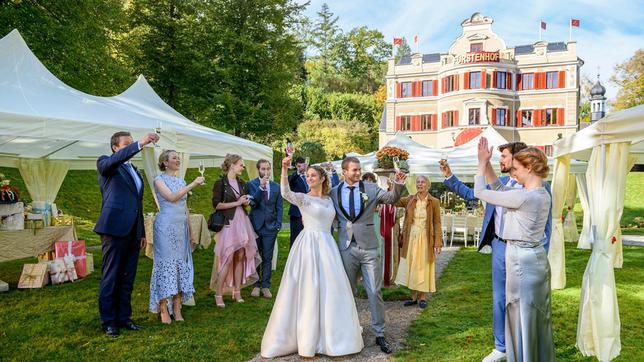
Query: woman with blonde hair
x=528, y=324
x=421, y=242
x=314, y=311
x=172, y=270
x=236, y=256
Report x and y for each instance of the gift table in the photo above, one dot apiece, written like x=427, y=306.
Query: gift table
x=199, y=229
x=18, y=244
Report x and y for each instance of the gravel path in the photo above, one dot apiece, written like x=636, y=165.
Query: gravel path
x=398, y=320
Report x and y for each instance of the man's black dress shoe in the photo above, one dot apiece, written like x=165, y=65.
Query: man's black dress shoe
x=129, y=325
x=384, y=346
x=111, y=331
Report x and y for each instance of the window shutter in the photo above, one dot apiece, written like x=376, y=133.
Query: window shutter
x=494, y=81
x=494, y=116
x=456, y=82
x=398, y=123
x=455, y=121
x=518, y=121
x=419, y=90
x=416, y=123
x=508, y=81
x=483, y=79
x=519, y=81
x=398, y=90
x=562, y=79
x=442, y=85
x=542, y=80
x=506, y=120
x=467, y=81
x=443, y=120
x=536, y=118
x=434, y=87
x=560, y=116
x=434, y=122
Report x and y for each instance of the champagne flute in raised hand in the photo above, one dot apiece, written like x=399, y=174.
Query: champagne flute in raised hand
x=157, y=130
x=202, y=169
x=396, y=162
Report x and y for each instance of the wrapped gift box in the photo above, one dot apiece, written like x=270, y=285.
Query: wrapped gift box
x=12, y=216
x=48, y=255
x=90, y=262
x=43, y=208
x=33, y=276
x=75, y=249
x=61, y=270
x=63, y=220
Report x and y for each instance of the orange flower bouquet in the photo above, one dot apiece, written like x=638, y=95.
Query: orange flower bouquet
x=387, y=154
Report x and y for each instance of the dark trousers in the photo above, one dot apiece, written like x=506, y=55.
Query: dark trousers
x=120, y=259
x=265, y=246
x=296, y=228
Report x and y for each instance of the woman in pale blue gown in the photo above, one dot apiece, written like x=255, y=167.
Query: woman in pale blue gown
x=172, y=272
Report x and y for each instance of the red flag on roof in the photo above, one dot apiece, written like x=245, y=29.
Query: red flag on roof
x=575, y=22
x=398, y=41
x=543, y=25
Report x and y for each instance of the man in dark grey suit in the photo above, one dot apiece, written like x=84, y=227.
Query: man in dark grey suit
x=355, y=202
x=266, y=217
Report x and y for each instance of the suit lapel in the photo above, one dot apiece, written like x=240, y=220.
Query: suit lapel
x=362, y=206
x=340, y=206
x=128, y=178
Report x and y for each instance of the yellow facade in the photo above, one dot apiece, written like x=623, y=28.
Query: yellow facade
x=527, y=93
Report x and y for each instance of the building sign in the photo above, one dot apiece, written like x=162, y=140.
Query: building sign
x=477, y=57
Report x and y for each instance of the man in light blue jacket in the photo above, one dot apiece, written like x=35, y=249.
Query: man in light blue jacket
x=490, y=231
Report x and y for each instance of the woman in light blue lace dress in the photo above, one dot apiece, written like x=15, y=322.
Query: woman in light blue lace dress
x=172, y=273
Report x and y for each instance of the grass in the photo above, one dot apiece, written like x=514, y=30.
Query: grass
x=61, y=322
x=457, y=325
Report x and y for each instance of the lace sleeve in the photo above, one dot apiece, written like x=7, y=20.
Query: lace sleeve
x=295, y=198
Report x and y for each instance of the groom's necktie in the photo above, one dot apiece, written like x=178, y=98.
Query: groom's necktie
x=352, y=205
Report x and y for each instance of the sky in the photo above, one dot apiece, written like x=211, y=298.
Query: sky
x=610, y=32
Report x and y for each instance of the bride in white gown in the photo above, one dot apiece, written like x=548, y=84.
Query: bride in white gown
x=314, y=311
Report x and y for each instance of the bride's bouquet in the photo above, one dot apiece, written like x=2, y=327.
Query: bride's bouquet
x=392, y=157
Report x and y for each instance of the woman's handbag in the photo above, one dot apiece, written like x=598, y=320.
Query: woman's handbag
x=217, y=221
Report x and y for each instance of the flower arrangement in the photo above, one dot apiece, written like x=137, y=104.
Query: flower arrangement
x=386, y=155
x=8, y=194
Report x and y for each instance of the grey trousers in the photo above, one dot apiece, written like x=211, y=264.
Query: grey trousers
x=368, y=262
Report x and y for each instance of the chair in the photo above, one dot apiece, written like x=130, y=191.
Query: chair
x=459, y=225
x=446, y=222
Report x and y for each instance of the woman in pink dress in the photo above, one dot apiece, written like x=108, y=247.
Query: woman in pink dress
x=236, y=257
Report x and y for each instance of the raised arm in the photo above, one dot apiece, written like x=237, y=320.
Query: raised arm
x=510, y=199
x=392, y=197
x=294, y=198
x=107, y=165
x=163, y=189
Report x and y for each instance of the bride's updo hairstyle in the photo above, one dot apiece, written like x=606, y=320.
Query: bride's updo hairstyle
x=326, y=183
x=534, y=159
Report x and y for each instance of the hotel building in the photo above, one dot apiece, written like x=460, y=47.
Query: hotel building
x=528, y=93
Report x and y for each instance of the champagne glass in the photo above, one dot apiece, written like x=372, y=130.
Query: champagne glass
x=157, y=130
x=396, y=162
x=290, y=150
x=202, y=169
x=444, y=157
x=308, y=161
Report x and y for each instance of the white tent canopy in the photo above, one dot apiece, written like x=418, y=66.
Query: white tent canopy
x=611, y=146
x=42, y=118
x=462, y=159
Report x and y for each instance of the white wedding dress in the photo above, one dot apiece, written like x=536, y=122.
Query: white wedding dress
x=314, y=310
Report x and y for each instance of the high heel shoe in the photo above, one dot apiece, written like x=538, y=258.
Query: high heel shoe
x=164, y=314
x=219, y=301
x=237, y=296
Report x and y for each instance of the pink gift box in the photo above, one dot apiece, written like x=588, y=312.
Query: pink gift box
x=77, y=249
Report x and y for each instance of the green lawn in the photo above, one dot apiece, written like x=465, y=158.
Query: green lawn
x=457, y=325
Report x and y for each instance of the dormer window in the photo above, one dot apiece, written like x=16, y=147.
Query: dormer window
x=476, y=47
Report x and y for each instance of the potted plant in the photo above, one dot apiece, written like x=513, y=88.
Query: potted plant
x=385, y=160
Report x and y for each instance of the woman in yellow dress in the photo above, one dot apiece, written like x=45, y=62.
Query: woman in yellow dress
x=421, y=242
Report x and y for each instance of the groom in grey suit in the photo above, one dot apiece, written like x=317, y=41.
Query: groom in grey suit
x=355, y=203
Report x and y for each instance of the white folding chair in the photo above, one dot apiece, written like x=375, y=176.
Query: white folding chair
x=459, y=225
x=446, y=222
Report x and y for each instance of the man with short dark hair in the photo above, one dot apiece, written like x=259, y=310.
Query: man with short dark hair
x=490, y=231
x=297, y=183
x=266, y=217
x=120, y=226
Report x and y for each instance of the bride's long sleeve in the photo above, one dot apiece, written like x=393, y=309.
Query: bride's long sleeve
x=295, y=198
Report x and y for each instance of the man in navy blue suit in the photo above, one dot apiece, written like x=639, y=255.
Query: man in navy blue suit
x=492, y=226
x=297, y=183
x=120, y=226
x=266, y=217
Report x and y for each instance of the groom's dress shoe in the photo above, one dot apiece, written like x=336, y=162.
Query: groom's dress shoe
x=129, y=325
x=384, y=346
x=111, y=331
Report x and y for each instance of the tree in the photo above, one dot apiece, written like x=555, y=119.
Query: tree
x=337, y=137
x=629, y=77
x=75, y=40
x=362, y=54
x=403, y=50
x=585, y=84
x=325, y=36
